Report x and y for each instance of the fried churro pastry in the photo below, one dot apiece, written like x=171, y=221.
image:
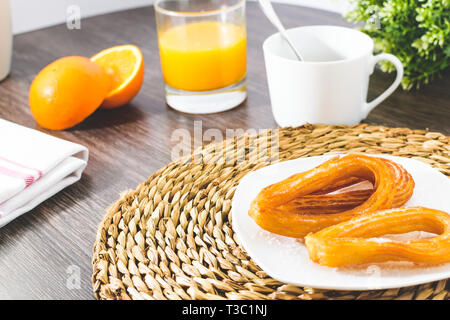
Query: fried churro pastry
x=349, y=242
x=301, y=204
x=326, y=203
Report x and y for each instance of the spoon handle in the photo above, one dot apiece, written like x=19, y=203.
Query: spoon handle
x=268, y=10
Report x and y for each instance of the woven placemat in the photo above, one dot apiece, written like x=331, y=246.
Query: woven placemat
x=172, y=238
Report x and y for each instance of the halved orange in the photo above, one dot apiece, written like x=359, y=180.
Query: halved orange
x=125, y=65
x=67, y=91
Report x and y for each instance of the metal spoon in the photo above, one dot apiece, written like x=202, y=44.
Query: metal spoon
x=268, y=10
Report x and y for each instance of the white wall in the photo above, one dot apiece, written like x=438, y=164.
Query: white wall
x=338, y=6
x=30, y=15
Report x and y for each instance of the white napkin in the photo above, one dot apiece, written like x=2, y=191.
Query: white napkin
x=33, y=167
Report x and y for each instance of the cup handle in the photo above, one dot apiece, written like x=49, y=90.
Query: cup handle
x=368, y=106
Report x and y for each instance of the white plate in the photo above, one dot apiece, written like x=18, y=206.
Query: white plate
x=286, y=259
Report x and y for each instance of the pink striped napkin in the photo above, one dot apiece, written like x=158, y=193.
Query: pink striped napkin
x=33, y=167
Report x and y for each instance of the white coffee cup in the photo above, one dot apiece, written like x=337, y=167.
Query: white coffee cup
x=5, y=38
x=330, y=85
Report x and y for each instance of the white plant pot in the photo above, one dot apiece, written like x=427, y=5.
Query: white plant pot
x=5, y=39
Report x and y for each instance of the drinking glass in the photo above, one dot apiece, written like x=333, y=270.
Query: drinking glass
x=202, y=46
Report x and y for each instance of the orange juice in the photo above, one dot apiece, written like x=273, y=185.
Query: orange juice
x=201, y=56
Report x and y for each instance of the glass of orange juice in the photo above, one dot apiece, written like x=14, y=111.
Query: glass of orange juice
x=202, y=46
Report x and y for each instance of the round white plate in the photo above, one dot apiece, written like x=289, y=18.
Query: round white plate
x=286, y=259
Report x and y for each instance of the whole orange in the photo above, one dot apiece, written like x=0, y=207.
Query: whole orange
x=67, y=91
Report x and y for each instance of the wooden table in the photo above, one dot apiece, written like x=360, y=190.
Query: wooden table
x=44, y=251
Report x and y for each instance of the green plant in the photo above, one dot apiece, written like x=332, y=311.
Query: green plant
x=416, y=31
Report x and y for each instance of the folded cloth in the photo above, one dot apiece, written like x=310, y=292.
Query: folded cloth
x=33, y=167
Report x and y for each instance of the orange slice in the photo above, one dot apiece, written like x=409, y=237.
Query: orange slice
x=125, y=65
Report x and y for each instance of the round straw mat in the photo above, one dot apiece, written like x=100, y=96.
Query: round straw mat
x=172, y=237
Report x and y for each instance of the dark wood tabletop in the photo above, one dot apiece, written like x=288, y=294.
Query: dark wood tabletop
x=45, y=251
